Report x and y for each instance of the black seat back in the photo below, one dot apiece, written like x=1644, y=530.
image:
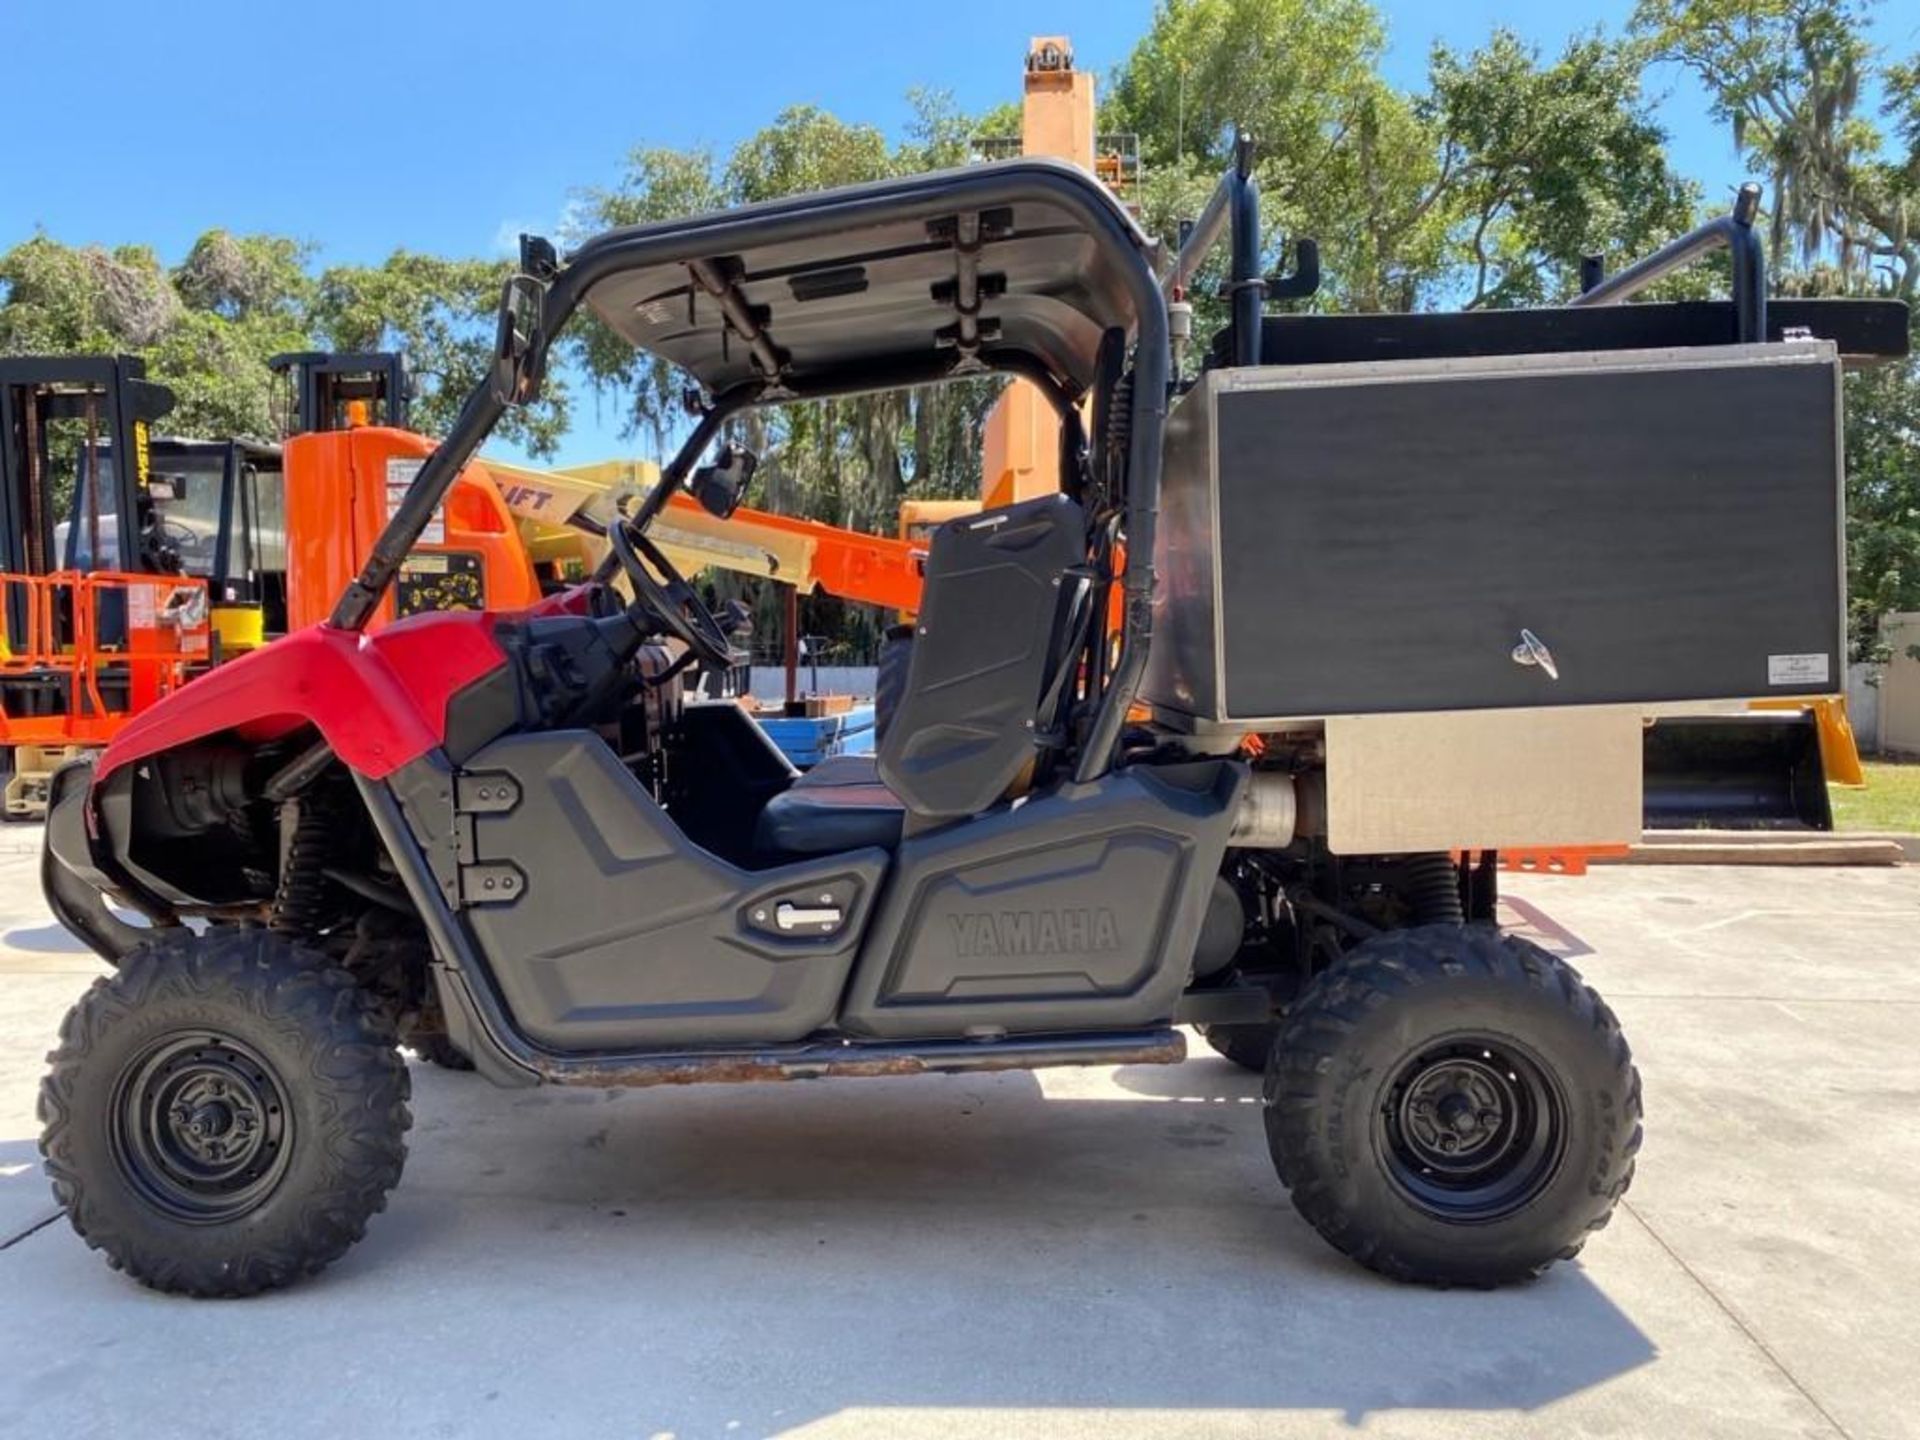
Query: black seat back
x=963, y=729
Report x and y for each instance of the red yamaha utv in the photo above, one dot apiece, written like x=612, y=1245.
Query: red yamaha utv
x=1385, y=599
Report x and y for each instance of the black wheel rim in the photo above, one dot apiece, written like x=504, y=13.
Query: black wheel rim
x=201, y=1127
x=1471, y=1129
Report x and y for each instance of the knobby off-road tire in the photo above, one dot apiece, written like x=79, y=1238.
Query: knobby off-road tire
x=1453, y=1106
x=223, y=1114
x=1247, y=1046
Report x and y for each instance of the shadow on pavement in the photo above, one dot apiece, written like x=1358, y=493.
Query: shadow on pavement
x=953, y=1242
x=48, y=939
x=751, y=1259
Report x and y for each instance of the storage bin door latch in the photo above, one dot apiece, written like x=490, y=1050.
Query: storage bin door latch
x=1532, y=650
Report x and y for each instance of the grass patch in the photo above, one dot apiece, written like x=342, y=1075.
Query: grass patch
x=1891, y=800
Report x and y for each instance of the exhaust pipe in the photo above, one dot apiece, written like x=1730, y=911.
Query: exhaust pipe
x=1275, y=808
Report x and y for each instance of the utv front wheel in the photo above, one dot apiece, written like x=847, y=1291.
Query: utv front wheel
x=223, y=1114
x=1453, y=1106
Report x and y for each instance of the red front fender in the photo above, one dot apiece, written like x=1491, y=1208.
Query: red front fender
x=379, y=700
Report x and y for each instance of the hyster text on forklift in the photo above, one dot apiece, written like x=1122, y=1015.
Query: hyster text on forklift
x=1394, y=590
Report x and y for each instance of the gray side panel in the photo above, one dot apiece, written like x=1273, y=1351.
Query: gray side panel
x=625, y=935
x=1077, y=910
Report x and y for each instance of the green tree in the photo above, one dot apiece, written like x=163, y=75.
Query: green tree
x=208, y=327
x=61, y=299
x=1294, y=72
x=440, y=314
x=1542, y=164
x=205, y=329
x=1789, y=77
x=1883, y=500
x=1486, y=189
x=1341, y=155
x=244, y=299
x=805, y=149
x=247, y=277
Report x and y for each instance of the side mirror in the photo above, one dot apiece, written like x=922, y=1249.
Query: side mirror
x=517, y=350
x=721, y=486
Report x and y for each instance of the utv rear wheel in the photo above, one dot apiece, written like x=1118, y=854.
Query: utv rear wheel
x=224, y=1114
x=1245, y=1045
x=1453, y=1106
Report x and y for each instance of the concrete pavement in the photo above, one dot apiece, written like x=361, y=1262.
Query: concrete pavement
x=1072, y=1253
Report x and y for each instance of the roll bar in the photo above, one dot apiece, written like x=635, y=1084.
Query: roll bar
x=922, y=198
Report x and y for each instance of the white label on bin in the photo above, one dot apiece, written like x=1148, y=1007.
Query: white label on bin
x=1797, y=669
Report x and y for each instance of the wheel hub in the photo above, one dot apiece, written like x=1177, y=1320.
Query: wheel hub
x=201, y=1127
x=1453, y=1111
x=1471, y=1129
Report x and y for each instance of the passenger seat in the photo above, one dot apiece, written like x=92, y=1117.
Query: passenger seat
x=959, y=728
x=839, y=804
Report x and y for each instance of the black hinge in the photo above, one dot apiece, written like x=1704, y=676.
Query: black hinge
x=499, y=883
x=491, y=882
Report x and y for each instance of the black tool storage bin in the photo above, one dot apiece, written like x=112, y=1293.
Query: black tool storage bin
x=1370, y=538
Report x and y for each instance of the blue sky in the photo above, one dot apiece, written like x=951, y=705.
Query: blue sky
x=397, y=126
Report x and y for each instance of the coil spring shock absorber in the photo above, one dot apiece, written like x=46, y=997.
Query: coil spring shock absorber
x=299, y=902
x=1431, y=887
x=1119, y=434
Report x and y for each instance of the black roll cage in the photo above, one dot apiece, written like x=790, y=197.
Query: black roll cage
x=923, y=198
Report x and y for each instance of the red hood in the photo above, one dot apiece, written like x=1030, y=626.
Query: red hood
x=380, y=700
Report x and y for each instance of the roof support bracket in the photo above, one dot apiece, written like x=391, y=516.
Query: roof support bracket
x=720, y=279
x=969, y=233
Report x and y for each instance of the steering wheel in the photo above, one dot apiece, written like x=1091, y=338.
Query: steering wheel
x=665, y=592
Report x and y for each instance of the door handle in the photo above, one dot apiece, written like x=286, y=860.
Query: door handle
x=789, y=916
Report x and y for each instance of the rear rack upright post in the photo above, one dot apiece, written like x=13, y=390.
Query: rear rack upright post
x=1234, y=206
x=1735, y=231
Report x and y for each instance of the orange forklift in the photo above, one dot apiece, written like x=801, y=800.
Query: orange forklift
x=238, y=541
x=97, y=617
x=118, y=583
x=347, y=462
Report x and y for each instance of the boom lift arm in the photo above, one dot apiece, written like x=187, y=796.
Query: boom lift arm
x=849, y=564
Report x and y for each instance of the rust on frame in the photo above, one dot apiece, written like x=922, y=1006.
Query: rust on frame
x=1165, y=1047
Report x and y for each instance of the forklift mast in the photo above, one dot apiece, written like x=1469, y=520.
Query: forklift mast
x=96, y=622
x=61, y=417
x=329, y=390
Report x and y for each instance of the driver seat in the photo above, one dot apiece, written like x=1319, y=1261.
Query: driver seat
x=963, y=731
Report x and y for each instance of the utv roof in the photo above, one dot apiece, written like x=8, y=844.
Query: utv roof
x=1016, y=264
